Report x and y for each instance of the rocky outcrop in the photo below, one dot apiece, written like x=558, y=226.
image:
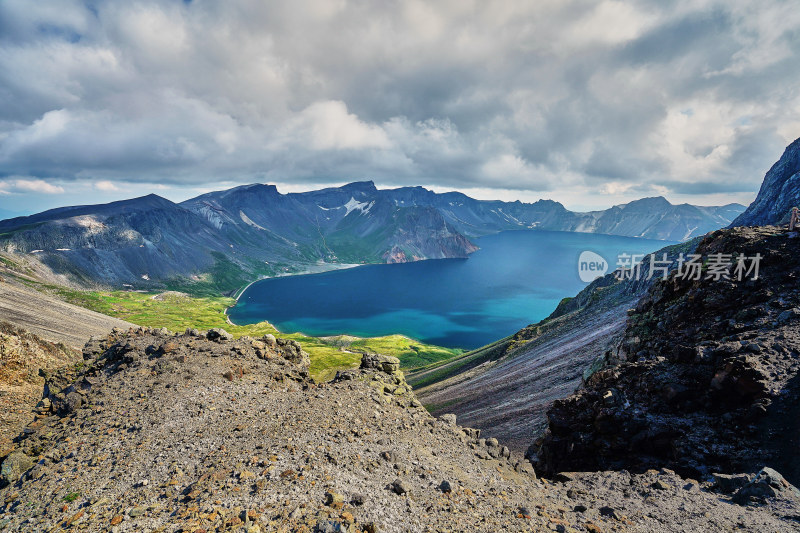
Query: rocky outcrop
x=705, y=378
x=24, y=357
x=779, y=192
x=382, y=373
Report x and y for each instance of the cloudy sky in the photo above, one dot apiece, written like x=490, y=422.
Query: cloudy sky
x=590, y=103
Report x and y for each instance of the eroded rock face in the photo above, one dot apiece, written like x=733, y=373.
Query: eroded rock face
x=708, y=380
x=24, y=359
x=779, y=192
x=382, y=373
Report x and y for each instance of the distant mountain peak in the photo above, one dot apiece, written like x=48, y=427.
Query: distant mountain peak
x=254, y=188
x=651, y=201
x=151, y=199
x=367, y=186
x=544, y=201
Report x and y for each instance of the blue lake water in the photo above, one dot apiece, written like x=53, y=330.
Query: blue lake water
x=515, y=279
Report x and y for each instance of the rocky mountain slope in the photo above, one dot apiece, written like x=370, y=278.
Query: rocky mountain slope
x=705, y=378
x=346, y=224
x=200, y=432
x=22, y=355
x=222, y=240
x=653, y=218
x=47, y=316
x=780, y=191
x=131, y=241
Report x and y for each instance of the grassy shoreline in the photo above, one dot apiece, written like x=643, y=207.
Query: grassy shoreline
x=178, y=311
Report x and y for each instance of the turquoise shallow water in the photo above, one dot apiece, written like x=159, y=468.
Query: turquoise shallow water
x=515, y=279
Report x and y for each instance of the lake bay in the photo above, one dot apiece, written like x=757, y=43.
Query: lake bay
x=515, y=279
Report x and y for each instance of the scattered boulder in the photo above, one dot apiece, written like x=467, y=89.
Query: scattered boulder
x=766, y=484
x=333, y=499
x=398, y=486
x=16, y=464
x=788, y=315
x=449, y=419
x=72, y=402
x=269, y=338
x=609, y=512
x=384, y=363
x=169, y=347
x=729, y=483
x=219, y=335
x=330, y=526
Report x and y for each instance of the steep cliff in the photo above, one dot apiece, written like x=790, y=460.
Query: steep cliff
x=705, y=378
x=779, y=192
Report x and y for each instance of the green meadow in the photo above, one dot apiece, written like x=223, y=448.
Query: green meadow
x=178, y=311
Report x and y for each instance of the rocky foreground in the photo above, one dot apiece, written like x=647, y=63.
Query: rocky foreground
x=706, y=378
x=201, y=432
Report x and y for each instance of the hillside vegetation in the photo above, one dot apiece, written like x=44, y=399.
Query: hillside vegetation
x=178, y=311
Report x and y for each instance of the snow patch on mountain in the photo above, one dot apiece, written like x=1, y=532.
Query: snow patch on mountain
x=354, y=204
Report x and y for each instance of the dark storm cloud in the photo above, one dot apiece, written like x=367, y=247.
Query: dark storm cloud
x=690, y=97
x=682, y=38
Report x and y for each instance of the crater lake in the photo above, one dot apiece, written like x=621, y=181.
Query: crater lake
x=516, y=278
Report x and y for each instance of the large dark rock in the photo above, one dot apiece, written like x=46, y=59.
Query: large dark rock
x=707, y=380
x=766, y=484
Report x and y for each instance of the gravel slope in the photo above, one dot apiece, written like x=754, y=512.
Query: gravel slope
x=161, y=432
x=523, y=386
x=50, y=318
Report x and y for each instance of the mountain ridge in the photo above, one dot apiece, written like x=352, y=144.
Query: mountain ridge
x=223, y=239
